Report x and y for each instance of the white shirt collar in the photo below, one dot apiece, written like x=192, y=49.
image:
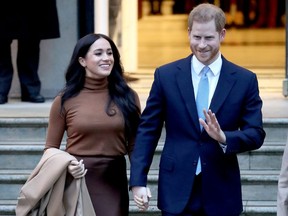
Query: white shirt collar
x=215, y=67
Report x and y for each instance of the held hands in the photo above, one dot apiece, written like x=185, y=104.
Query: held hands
x=141, y=196
x=77, y=169
x=212, y=126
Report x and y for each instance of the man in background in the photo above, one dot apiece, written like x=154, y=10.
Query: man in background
x=28, y=22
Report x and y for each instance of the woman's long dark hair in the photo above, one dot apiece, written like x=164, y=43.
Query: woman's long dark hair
x=120, y=93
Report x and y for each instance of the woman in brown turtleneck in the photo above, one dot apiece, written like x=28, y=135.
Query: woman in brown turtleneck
x=99, y=113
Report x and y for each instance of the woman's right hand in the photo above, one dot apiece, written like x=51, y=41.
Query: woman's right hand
x=77, y=169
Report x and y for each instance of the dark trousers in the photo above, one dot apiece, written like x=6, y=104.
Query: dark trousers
x=195, y=206
x=27, y=65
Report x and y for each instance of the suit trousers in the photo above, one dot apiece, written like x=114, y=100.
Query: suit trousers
x=195, y=206
x=27, y=62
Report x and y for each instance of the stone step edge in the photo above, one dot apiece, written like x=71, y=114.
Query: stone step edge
x=246, y=175
x=8, y=207
x=44, y=121
x=39, y=146
x=17, y=121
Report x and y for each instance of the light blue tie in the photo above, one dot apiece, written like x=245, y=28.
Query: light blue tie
x=202, y=101
x=203, y=93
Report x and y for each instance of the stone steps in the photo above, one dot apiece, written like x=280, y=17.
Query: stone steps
x=21, y=147
x=251, y=208
x=19, y=157
x=263, y=183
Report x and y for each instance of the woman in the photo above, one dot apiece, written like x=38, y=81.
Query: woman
x=100, y=114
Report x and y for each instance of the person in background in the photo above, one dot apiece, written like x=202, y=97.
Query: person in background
x=99, y=113
x=282, y=194
x=114, y=10
x=199, y=174
x=28, y=22
x=155, y=7
x=267, y=14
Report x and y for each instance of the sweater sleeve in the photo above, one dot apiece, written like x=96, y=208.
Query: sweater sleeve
x=131, y=141
x=56, y=126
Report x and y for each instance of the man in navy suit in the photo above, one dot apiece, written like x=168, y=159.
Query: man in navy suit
x=232, y=125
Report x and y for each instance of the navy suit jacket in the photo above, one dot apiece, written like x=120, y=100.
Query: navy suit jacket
x=171, y=102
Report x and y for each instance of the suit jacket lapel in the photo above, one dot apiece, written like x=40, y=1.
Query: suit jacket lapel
x=225, y=84
x=184, y=81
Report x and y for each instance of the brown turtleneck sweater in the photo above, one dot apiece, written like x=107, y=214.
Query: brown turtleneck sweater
x=90, y=131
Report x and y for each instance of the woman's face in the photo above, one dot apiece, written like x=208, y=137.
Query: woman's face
x=99, y=59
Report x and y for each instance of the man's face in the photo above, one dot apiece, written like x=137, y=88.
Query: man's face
x=205, y=41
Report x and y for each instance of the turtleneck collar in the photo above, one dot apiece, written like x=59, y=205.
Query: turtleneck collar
x=95, y=84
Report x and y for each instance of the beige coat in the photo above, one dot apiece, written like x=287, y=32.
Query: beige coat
x=282, y=197
x=47, y=191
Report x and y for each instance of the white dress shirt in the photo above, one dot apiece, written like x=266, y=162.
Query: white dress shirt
x=213, y=77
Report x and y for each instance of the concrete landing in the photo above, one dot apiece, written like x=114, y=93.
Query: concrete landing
x=275, y=105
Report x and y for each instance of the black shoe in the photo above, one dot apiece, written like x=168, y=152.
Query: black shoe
x=3, y=99
x=34, y=99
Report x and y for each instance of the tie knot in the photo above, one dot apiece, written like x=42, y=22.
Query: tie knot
x=205, y=70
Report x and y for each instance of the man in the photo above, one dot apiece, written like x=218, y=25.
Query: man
x=28, y=22
x=199, y=172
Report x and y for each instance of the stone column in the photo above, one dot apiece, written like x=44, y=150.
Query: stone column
x=285, y=81
x=129, y=29
x=101, y=16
